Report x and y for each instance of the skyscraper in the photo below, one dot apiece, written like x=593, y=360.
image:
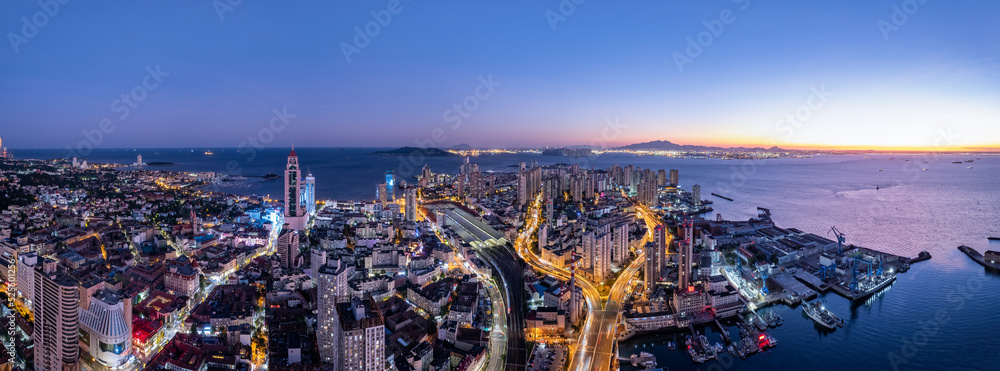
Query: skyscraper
x=696, y=194
x=655, y=253
x=602, y=257
x=294, y=214
x=620, y=242
x=390, y=184
x=425, y=176
x=56, y=333
x=309, y=194
x=382, y=198
x=332, y=280
x=288, y=247
x=686, y=257
x=575, y=293
x=410, y=197
x=675, y=177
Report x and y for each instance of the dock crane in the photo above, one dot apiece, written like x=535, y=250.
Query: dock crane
x=840, y=240
x=827, y=271
x=763, y=282
x=855, y=267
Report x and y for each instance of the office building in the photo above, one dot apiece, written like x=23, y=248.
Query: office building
x=106, y=329
x=309, y=195
x=390, y=185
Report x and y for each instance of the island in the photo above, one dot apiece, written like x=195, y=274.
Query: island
x=159, y=163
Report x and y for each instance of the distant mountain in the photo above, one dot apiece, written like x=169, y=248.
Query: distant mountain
x=461, y=147
x=414, y=151
x=663, y=145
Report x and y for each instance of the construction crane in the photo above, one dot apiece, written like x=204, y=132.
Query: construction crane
x=840, y=240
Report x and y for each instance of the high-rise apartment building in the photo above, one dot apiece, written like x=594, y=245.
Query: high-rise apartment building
x=358, y=330
x=696, y=194
x=331, y=288
x=655, y=254
x=602, y=257
x=288, y=247
x=620, y=243
x=675, y=177
x=410, y=197
x=56, y=333
x=686, y=258
x=383, y=198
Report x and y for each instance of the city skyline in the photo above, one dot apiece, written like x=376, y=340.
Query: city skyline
x=872, y=75
x=499, y=186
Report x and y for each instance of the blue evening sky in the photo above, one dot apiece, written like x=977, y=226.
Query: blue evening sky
x=792, y=73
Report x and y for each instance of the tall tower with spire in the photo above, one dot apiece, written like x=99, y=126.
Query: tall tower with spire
x=294, y=213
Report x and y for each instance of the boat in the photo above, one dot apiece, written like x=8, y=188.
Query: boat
x=969, y=161
x=644, y=359
x=769, y=342
x=993, y=238
x=956, y=162
x=672, y=346
x=761, y=325
x=821, y=316
x=209, y=153
x=970, y=167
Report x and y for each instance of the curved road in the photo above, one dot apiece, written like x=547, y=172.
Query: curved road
x=595, y=346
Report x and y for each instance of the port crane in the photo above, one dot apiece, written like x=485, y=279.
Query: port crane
x=855, y=267
x=827, y=271
x=840, y=240
x=763, y=281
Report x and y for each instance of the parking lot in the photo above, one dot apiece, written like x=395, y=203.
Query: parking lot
x=547, y=358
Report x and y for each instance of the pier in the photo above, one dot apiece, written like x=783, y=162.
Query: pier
x=812, y=281
x=792, y=286
x=722, y=197
x=979, y=258
x=724, y=332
